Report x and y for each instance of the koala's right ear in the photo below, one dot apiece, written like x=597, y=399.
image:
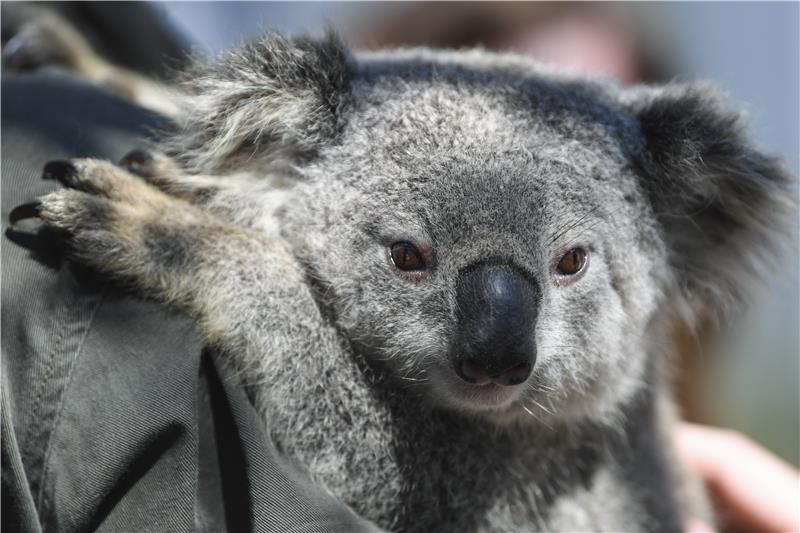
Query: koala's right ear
x=275, y=99
x=721, y=203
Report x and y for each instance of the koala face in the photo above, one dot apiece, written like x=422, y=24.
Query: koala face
x=491, y=249
x=500, y=237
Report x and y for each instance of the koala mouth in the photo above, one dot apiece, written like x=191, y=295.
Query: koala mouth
x=476, y=391
x=477, y=374
x=486, y=396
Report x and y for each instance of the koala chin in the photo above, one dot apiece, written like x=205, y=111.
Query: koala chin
x=449, y=273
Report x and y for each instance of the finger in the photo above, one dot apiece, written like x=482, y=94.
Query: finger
x=698, y=526
x=755, y=488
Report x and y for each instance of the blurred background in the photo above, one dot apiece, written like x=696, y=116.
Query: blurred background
x=746, y=376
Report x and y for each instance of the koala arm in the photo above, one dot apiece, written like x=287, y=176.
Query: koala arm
x=245, y=288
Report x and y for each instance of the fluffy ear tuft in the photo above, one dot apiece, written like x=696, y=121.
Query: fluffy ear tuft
x=274, y=100
x=721, y=203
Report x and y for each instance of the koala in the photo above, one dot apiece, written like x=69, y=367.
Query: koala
x=444, y=277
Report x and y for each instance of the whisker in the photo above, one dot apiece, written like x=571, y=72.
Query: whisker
x=545, y=424
x=542, y=407
x=571, y=225
x=417, y=380
x=542, y=387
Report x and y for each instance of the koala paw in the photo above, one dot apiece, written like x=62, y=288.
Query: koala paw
x=110, y=218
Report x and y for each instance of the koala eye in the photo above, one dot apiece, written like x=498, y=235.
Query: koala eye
x=406, y=256
x=572, y=262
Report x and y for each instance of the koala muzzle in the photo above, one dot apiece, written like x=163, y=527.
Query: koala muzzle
x=497, y=308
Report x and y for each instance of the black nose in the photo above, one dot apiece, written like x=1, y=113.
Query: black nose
x=497, y=309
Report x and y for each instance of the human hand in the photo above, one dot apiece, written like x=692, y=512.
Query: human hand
x=752, y=489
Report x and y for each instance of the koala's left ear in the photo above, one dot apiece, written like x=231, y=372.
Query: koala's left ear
x=720, y=203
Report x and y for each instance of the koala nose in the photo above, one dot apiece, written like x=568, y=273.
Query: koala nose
x=497, y=310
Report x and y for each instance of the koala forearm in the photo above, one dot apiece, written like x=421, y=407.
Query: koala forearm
x=245, y=288
x=249, y=294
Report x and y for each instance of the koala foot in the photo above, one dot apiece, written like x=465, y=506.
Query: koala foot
x=48, y=40
x=52, y=40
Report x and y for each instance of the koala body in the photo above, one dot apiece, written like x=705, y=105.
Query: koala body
x=443, y=276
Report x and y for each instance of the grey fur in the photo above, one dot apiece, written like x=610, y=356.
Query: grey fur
x=309, y=162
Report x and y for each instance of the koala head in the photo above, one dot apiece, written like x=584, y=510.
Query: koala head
x=494, y=234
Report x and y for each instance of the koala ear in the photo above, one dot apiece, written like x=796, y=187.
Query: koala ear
x=720, y=203
x=273, y=100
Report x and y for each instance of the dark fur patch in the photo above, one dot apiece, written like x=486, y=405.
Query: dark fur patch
x=167, y=247
x=95, y=212
x=205, y=194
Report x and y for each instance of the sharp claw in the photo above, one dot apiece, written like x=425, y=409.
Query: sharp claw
x=21, y=212
x=63, y=171
x=139, y=162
